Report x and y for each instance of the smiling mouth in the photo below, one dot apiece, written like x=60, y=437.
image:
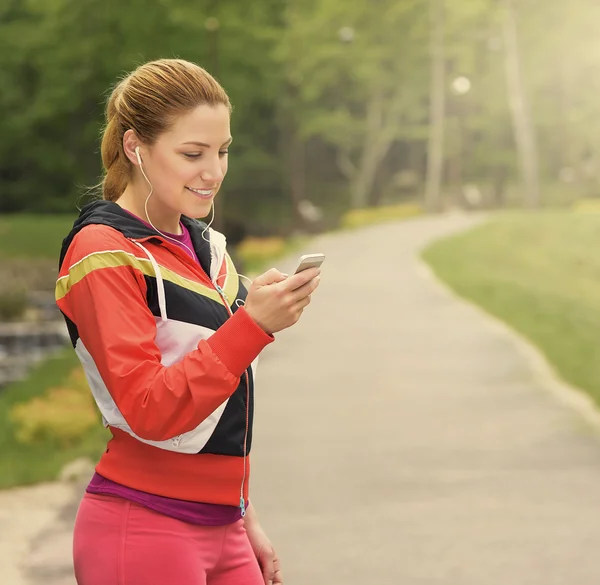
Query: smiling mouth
x=205, y=193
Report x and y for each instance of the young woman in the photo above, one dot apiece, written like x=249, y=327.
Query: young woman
x=169, y=338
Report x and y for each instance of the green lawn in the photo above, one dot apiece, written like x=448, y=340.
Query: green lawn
x=540, y=273
x=33, y=236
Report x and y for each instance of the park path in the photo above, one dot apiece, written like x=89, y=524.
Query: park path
x=402, y=437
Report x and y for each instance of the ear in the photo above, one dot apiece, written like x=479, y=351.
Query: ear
x=130, y=143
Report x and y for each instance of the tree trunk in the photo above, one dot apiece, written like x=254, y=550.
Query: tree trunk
x=382, y=120
x=297, y=175
x=499, y=180
x=370, y=158
x=213, y=44
x=520, y=109
x=435, y=156
x=360, y=188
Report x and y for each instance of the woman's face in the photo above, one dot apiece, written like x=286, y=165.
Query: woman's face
x=188, y=163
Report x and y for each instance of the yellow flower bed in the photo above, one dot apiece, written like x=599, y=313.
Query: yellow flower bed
x=253, y=251
x=373, y=215
x=587, y=206
x=61, y=415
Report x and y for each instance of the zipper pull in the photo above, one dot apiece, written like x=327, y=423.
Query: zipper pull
x=243, y=506
x=221, y=292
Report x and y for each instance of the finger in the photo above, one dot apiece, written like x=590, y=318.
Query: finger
x=297, y=280
x=277, y=576
x=271, y=276
x=267, y=570
x=302, y=303
x=306, y=289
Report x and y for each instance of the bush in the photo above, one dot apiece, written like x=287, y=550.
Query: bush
x=12, y=305
x=372, y=215
x=27, y=274
x=62, y=415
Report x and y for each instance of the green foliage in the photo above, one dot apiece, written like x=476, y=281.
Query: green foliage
x=348, y=82
x=539, y=273
x=62, y=64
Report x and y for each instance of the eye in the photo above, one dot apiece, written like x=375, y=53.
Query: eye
x=192, y=155
x=223, y=152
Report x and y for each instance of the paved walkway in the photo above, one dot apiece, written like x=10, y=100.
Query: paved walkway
x=402, y=438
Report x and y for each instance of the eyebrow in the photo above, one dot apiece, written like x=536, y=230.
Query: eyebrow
x=226, y=143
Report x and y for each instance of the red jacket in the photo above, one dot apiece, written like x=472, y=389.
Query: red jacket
x=168, y=353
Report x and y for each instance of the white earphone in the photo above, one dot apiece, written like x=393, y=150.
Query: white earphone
x=137, y=153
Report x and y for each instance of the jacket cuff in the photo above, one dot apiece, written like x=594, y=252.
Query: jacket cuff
x=238, y=342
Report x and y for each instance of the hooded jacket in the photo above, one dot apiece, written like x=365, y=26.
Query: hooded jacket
x=169, y=353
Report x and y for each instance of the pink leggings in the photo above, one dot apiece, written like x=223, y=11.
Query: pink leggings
x=117, y=542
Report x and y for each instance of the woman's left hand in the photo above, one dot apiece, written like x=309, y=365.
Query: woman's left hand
x=265, y=554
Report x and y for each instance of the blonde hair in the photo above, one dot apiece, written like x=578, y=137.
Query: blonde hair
x=148, y=101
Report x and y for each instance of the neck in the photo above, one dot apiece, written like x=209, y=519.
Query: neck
x=155, y=213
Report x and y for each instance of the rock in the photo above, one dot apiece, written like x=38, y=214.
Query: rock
x=78, y=469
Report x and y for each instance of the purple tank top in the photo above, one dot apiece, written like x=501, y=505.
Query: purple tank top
x=191, y=512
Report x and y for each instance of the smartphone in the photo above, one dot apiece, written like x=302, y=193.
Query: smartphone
x=309, y=261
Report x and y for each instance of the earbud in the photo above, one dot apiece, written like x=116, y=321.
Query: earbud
x=137, y=153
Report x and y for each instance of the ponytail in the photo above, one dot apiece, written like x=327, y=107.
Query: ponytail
x=116, y=165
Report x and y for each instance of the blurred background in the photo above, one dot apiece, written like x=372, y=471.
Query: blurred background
x=346, y=114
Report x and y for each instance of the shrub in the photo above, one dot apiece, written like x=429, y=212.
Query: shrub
x=13, y=304
x=27, y=274
x=62, y=415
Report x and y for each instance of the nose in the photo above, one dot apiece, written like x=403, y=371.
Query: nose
x=213, y=172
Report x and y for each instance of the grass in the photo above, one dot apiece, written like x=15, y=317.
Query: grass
x=22, y=464
x=540, y=273
x=33, y=236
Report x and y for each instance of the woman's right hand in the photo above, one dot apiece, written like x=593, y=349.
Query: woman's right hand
x=276, y=301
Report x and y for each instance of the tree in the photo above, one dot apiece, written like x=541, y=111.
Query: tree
x=520, y=108
x=361, y=86
x=435, y=163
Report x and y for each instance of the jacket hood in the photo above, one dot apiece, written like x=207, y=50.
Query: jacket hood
x=113, y=215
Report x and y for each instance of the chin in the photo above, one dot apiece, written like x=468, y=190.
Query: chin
x=200, y=210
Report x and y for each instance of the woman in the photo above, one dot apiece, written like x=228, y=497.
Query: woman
x=169, y=338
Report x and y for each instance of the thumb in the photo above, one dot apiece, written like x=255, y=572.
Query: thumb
x=270, y=277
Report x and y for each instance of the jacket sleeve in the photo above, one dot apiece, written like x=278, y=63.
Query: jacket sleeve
x=101, y=288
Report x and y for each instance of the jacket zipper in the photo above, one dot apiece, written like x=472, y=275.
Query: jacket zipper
x=242, y=501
